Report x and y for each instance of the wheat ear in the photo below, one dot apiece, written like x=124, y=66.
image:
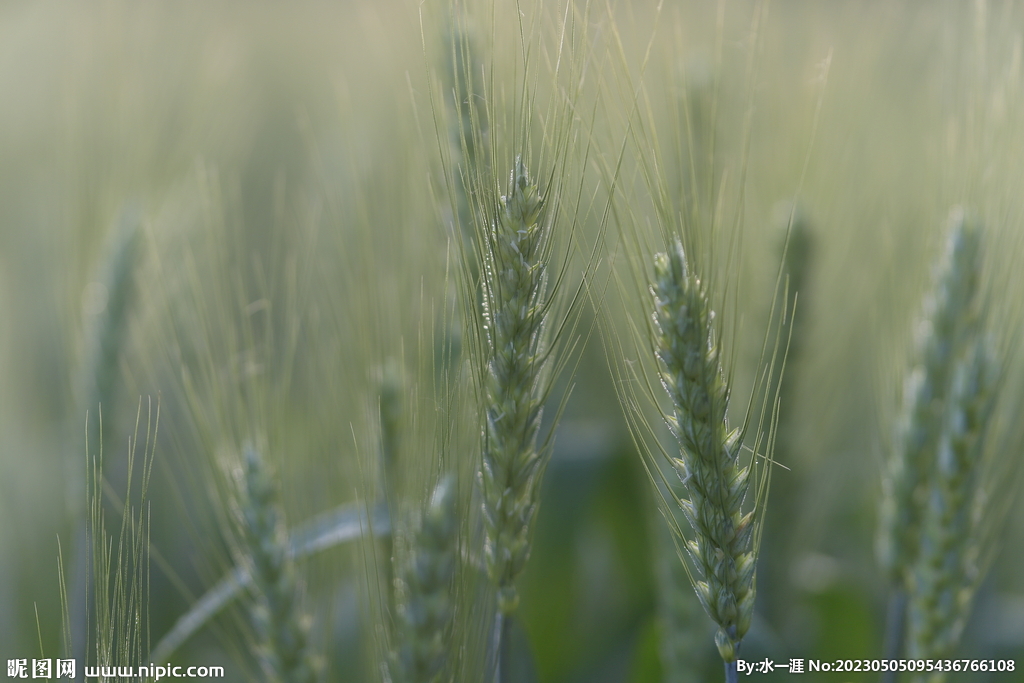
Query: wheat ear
x=938, y=340
x=424, y=587
x=280, y=627
x=117, y=290
x=947, y=320
x=947, y=570
x=714, y=480
x=468, y=129
x=515, y=312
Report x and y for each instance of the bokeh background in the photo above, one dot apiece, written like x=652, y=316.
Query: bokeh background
x=281, y=164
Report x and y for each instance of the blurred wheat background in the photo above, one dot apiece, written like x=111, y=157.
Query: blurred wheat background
x=246, y=216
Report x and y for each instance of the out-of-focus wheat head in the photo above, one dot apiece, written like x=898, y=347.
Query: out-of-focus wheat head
x=948, y=323
x=951, y=559
x=280, y=626
x=425, y=588
x=946, y=492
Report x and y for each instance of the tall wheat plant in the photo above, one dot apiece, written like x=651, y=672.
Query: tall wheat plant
x=676, y=368
x=518, y=163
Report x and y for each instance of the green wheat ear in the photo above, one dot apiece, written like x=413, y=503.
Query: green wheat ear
x=516, y=303
x=110, y=326
x=714, y=480
x=955, y=508
x=424, y=588
x=115, y=295
x=948, y=567
x=932, y=499
x=468, y=129
x=947, y=323
x=281, y=629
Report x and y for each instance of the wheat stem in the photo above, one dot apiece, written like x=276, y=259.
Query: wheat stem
x=895, y=628
x=731, y=672
x=389, y=408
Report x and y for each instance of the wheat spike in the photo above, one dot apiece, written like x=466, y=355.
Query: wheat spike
x=947, y=570
x=939, y=338
x=281, y=629
x=515, y=307
x=425, y=586
x=714, y=480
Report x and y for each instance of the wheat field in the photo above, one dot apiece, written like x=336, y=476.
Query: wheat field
x=524, y=342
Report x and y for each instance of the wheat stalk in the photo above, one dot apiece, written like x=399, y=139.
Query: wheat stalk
x=390, y=414
x=343, y=525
